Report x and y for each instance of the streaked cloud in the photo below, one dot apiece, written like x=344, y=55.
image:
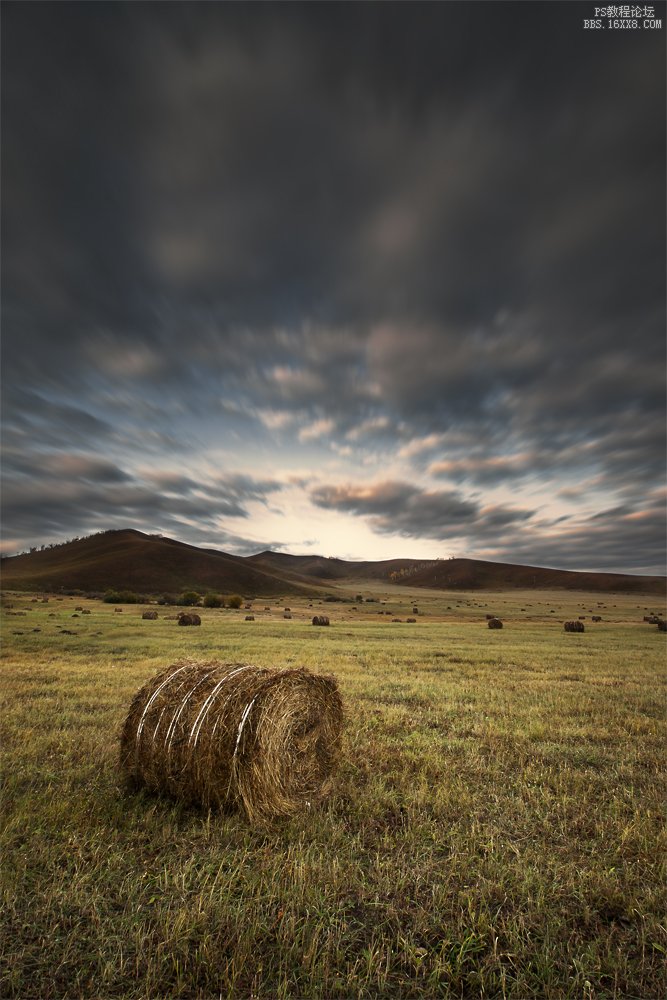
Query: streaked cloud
x=400, y=244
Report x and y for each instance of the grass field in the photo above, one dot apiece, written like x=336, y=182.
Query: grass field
x=496, y=827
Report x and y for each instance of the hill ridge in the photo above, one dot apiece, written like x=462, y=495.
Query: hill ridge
x=126, y=558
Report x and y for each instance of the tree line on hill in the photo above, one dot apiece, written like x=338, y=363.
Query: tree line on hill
x=188, y=599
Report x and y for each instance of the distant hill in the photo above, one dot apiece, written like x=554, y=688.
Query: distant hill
x=457, y=574
x=151, y=564
x=131, y=560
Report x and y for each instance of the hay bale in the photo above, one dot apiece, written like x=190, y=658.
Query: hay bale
x=287, y=615
x=597, y=618
x=149, y=616
x=662, y=625
x=118, y=611
x=86, y=611
x=320, y=620
x=577, y=626
x=189, y=618
x=250, y=618
x=495, y=623
x=411, y=621
x=415, y=611
x=235, y=736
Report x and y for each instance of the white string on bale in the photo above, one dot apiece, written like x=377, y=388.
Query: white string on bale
x=238, y=735
x=209, y=701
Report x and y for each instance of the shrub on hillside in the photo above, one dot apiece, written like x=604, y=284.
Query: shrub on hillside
x=235, y=601
x=122, y=597
x=189, y=599
x=213, y=601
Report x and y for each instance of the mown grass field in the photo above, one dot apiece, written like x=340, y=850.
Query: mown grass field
x=496, y=827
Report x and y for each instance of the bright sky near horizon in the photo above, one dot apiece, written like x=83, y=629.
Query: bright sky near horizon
x=364, y=280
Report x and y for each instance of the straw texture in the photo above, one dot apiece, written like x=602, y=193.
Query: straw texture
x=234, y=735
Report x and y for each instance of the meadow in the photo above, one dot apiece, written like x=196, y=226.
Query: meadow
x=495, y=829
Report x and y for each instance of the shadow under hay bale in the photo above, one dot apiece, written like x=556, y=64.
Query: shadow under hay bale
x=235, y=736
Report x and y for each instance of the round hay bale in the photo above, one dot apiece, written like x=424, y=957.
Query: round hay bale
x=577, y=626
x=189, y=618
x=235, y=736
x=287, y=615
x=411, y=621
x=250, y=618
x=150, y=616
x=86, y=611
x=320, y=620
x=495, y=623
x=662, y=625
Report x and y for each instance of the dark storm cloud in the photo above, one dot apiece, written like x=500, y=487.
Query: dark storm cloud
x=73, y=493
x=371, y=223
x=403, y=509
x=606, y=541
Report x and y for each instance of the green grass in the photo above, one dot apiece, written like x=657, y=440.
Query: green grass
x=496, y=827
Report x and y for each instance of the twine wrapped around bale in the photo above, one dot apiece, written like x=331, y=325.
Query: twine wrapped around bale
x=235, y=736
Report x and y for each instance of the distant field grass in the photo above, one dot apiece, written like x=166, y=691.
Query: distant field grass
x=496, y=828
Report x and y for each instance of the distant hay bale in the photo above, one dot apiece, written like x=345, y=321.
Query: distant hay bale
x=415, y=611
x=235, y=736
x=118, y=611
x=411, y=621
x=287, y=615
x=250, y=618
x=77, y=608
x=189, y=618
x=577, y=626
x=320, y=620
x=596, y=618
x=149, y=616
x=495, y=623
x=86, y=611
x=662, y=625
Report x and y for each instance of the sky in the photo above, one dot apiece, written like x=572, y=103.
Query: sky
x=366, y=280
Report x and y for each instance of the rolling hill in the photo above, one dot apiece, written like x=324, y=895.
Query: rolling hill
x=151, y=564
x=131, y=560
